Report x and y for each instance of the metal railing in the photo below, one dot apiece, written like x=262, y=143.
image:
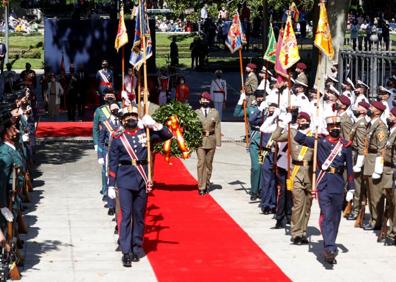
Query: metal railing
x=373, y=68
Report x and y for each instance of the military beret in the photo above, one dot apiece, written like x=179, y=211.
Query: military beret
x=345, y=100
x=206, y=95
x=251, y=66
x=378, y=105
x=364, y=104
x=393, y=111
x=304, y=115
x=301, y=65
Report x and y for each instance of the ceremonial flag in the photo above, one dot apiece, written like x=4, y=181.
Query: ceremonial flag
x=289, y=54
x=270, y=53
x=278, y=66
x=296, y=12
x=323, y=40
x=122, y=35
x=235, y=36
x=141, y=27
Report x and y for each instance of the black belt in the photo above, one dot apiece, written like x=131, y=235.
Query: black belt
x=266, y=149
x=302, y=163
x=389, y=164
x=334, y=170
x=133, y=162
x=371, y=151
x=208, y=133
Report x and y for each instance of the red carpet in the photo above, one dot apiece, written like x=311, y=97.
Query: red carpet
x=64, y=129
x=191, y=238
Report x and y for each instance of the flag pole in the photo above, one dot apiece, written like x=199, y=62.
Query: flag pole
x=245, y=119
x=145, y=97
x=139, y=78
x=288, y=129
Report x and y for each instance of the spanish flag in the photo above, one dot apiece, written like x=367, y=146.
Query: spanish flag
x=296, y=12
x=122, y=35
x=278, y=66
x=289, y=54
x=323, y=40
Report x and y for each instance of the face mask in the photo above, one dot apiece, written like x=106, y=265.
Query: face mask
x=205, y=104
x=303, y=126
x=325, y=98
x=356, y=113
x=109, y=101
x=114, y=112
x=369, y=113
x=379, y=98
x=335, y=133
x=390, y=122
x=131, y=123
x=337, y=107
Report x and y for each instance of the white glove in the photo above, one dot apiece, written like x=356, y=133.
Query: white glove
x=286, y=119
x=379, y=165
x=376, y=175
x=140, y=124
x=148, y=121
x=262, y=106
x=349, y=195
x=25, y=137
x=316, y=122
x=96, y=148
x=7, y=214
x=276, y=113
x=359, y=163
x=101, y=161
x=242, y=98
x=111, y=193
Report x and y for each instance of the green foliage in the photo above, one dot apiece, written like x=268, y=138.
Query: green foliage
x=189, y=121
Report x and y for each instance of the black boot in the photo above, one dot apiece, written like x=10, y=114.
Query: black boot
x=126, y=260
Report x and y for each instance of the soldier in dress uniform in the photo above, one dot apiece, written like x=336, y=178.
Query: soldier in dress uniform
x=342, y=106
x=358, y=135
x=361, y=93
x=101, y=114
x=130, y=83
x=107, y=129
x=105, y=77
x=128, y=174
x=254, y=112
x=334, y=156
x=300, y=100
x=211, y=139
x=300, y=177
x=218, y=92
x=384, y=97
x=389, y=166
x=376, y=138
x=330, y=100
x=251, y=83
x=265, y=84
x=348, y=89
x=300, y=69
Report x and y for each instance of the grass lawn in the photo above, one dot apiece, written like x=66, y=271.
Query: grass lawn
x=24, y=47
x=182, y=40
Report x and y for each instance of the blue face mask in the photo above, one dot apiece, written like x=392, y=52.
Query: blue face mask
x=131, y=123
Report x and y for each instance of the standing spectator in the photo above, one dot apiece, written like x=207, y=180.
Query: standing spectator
x=130, y=83
x=182, y=91
x=53, y=96
x=72, y=90
x=367, y=40
x=194, y=48
x=218, y=92
x=203, y=16
x=174, y=52
x=9, y=79
x=28, y=76
x=385, y=35
x=3, y=52
x=354, y=34
x=223, y=14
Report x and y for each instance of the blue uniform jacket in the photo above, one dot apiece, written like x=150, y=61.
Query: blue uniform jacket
x=104, y=138
x=127, y=176
x=333, y=182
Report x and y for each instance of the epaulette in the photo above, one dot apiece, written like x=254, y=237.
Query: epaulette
x=116, y=134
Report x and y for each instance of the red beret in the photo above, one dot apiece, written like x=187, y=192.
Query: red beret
x=344, y=100
x=393, y=111
x=378, y=105
x=251, y=66
x=301, y=65
x=364, y=104
x=206, y=95
x=305, y=116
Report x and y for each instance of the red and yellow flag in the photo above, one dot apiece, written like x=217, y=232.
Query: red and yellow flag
x=278, y=66
x=289, y=54
x=295, y=11
x=122, y=35
x=323, y=40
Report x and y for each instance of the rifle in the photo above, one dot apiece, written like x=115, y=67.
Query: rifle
x=360, y=217
x=384, y=227
x=13, y=270
x=348, y=209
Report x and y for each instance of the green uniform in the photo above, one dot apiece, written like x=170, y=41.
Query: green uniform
x=346, y=126
x=250, y=87
x=302, y=182
x=376, y=139
x=254, y=147
x=388, y=181
x=101, y=114
x=211, y=127
x=358, y=136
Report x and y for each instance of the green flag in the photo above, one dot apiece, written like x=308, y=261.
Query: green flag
x=270, y=53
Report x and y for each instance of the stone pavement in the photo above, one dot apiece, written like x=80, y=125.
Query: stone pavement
x=71, y=237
